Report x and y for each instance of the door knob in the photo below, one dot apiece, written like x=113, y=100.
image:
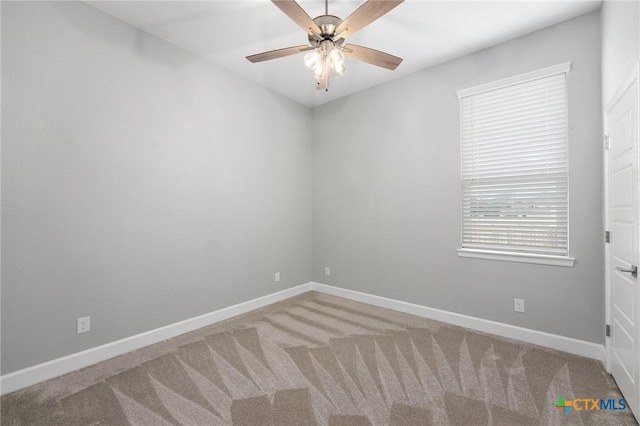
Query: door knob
x=633, y=270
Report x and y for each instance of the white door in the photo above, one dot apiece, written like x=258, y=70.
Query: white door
x=624, y=285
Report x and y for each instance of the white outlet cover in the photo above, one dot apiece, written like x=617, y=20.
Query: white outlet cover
x=83, y=325
x=327, y=271
x=277, y=277
x=518, y=305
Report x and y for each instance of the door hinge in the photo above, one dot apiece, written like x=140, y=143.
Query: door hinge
x=606, y=141
x=607, y=330
x=607, y=236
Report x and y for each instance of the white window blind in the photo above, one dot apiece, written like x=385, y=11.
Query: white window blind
x=514, y=164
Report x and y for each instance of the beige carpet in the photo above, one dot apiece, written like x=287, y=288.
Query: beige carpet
x=318, y=359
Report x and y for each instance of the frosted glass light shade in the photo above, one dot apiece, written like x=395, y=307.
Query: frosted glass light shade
x=319, y=70
x=312, y=59
x=336, y=57
x=339, y=69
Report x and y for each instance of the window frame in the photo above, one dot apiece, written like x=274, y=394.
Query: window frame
x=518, y=256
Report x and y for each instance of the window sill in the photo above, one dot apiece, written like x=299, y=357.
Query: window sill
x=540, y=259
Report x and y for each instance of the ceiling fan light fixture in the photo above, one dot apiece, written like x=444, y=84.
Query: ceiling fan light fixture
x=339, y=69
x=312, y=59
x=325, y=61
x=319, y=71
x=336, y=56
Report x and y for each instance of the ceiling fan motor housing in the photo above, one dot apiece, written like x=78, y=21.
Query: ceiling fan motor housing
x=327, y=25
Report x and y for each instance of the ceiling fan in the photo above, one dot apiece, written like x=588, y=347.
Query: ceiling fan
x=326, y=35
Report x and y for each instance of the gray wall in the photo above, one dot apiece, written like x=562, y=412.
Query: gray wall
x=140, y=185
x=143, y=186
x=620, y=44
x=386, y=191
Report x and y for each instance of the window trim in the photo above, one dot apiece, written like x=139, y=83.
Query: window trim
x=509, y=256
x=515, y=256
x=564, y=67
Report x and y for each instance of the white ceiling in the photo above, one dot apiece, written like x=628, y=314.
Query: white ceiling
x=423, y=33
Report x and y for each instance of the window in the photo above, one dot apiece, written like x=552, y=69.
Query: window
x=514, y=169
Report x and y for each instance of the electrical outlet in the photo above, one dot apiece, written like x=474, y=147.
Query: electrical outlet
x=518, y=305
x=277, y=278
x=327, y=271
x=84, y=325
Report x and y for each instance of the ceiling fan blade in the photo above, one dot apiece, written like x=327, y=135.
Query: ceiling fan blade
x=275, y=54
x=297, y=14
x=364, y=15
x=372, y=56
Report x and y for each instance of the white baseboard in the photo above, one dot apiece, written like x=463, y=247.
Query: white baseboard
x=554, y=341
x=39, y=373
x=48, y=370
